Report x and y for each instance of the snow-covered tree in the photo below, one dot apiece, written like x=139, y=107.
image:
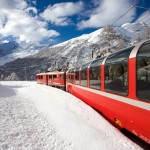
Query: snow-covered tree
x=147, y=33
x=1, y=77
x=120, y=43
x=143, y=35
x=109, y=34
x=138, y=38
x=14, y=77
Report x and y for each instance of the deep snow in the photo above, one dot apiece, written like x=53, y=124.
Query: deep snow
x=39, y=117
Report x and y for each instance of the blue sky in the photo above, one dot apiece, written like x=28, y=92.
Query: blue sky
x=55, y=21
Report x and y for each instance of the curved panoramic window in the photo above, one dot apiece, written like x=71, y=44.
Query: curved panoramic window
x=95, y=74
x=84, y=74
x=143, y=72
x=116, y=72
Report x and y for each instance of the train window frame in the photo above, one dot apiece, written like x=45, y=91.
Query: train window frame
x=143, y=79
x=77, y=80
x=92, y=68
x=50, y=78
x=67, y=76
x=61, y=76
x=118, y=59
x=54, y=77
x=72, y=75
x=83, y=70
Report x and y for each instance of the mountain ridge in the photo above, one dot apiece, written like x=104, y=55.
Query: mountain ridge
x=77, y=51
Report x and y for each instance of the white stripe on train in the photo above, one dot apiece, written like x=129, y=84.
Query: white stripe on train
x=126, y=100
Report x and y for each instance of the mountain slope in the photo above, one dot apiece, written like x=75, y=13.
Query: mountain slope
x=8, y=48
x=12, y=50
x=75, y=51
x=81, y=47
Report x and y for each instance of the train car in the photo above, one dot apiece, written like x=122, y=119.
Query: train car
x=118, y=86
x=42, y=78
x=57, y=79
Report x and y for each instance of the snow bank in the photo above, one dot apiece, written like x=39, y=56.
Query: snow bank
x=48, y=118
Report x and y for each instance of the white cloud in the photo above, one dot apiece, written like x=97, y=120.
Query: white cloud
x=58, y=14
x=31, y=9
x=107, y=12
x=13, y=4
x=34, y=2
x=5, y=41
x=21, y=24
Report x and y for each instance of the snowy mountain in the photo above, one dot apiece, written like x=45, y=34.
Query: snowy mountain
x=79, y=50
x=8, y=48
x=76, y=51
x=12, y=50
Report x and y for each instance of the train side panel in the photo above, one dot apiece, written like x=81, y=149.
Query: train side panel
x=124, y=92
x=41, y=79
x=118, y=111
x=57, y=80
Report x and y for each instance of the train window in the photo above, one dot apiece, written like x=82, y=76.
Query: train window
x=41, y=77
x=77, y=76
x=72, y=75
x=84, y=74
x=61, y=77
x=50, y=77
x=95, y=73
x=116, y=72
x=54, y=77
x=143, y=72
x=67, y=76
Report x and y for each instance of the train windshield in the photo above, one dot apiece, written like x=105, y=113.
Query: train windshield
x=116, y=72
x=143, y=72
x=95, y=74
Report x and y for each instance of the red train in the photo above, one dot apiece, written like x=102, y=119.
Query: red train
x=117, y=85
x=55, y=79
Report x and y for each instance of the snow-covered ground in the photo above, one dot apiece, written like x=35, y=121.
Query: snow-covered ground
x=39, y=117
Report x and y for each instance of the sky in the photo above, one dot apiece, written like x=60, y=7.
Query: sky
x=55, y=21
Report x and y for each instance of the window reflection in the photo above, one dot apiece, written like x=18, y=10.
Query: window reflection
x=143, y=72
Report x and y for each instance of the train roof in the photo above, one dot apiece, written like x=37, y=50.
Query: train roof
x=55, y=72
x=51, y=73
x=42, y=73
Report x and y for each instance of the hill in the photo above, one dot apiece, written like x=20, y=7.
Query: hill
x=77, y=51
